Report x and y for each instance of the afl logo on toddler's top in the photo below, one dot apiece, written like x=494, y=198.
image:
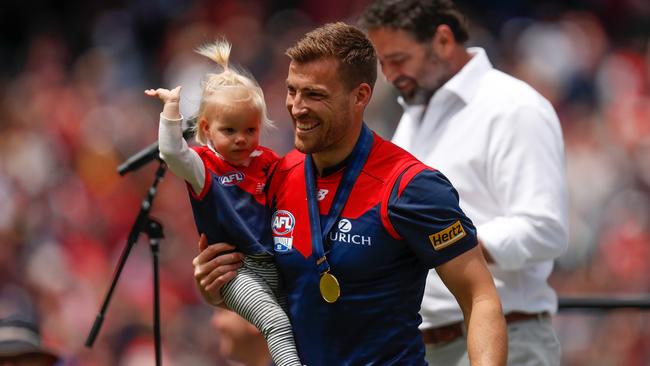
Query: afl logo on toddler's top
x=231, y=178
x=282, y=224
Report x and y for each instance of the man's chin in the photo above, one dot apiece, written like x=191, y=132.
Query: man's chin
x=305, y=150
x=418, y=96
x=304, y=147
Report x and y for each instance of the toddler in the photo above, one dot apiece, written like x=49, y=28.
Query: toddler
x=226, y=175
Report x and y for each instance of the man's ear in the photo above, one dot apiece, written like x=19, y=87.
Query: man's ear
x=443, y=42
x=363, y=95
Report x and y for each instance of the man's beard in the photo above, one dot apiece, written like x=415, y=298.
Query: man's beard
x=420, y=96
x=416, y=96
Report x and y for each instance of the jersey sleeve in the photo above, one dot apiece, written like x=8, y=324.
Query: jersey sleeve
x=425, y=213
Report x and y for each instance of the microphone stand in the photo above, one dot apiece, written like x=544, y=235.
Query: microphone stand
x=153, y=228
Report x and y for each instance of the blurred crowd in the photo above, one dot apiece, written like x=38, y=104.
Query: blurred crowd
x=72, y=109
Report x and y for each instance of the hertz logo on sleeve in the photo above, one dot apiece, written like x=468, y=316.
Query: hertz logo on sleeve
x=448, y=236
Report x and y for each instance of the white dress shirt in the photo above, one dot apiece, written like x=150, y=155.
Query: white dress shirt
x=500, y=144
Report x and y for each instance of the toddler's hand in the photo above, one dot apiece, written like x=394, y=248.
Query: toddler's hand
x=166, y=95
x=170, y=98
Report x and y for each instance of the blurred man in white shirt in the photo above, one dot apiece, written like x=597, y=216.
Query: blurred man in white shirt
x=500, y=143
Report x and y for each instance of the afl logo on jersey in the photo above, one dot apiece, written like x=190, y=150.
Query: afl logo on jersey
x=282, y=224
x=231, y=178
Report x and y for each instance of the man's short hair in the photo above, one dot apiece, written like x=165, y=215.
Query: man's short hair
x=421, y=18
x=345, y=43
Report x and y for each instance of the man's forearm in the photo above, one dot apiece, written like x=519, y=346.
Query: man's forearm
x=468, y=278
x=487, y=338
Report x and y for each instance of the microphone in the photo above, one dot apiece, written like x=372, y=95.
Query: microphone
x=150, y=152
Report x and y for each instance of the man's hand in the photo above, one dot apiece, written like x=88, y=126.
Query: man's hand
x=170, y=99
x=213, y=269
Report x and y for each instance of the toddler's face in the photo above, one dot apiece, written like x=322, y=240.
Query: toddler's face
x=234, y=132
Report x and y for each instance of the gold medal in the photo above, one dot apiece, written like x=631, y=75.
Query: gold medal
x=329, y=287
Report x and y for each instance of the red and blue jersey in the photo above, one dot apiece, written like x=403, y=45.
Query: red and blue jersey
x=232, y=206
x=401, y=219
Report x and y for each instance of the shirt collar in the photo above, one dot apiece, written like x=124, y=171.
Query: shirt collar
x=253, y=154
x=335, y=168
x=464, y=83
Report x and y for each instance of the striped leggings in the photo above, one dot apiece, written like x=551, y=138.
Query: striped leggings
x=255, y=295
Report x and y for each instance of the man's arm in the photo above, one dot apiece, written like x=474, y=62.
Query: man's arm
x=428, y=216
x=526, y=174
x=470, y=281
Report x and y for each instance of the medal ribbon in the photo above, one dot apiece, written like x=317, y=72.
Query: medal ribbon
x=352, y=170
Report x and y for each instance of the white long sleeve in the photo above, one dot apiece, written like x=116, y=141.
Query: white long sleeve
x=181, y=160
x=526, y=173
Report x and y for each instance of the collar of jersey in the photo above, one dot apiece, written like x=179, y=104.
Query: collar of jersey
x=253, y=154
x=331, y=170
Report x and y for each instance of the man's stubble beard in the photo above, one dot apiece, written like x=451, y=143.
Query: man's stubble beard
x=423, y=93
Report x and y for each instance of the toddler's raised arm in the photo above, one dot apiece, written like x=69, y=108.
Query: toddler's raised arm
x=182, y=161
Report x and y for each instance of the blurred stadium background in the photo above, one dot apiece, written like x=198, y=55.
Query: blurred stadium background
x=72, y=108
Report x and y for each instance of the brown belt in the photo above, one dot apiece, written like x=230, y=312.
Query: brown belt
x=451, y=332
